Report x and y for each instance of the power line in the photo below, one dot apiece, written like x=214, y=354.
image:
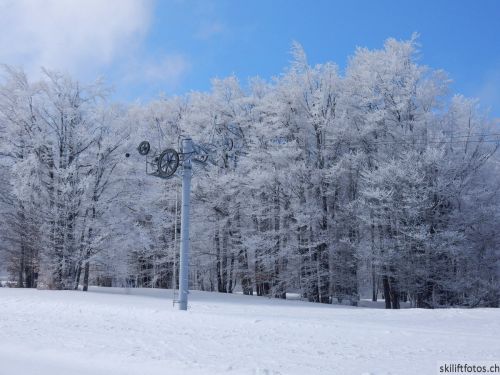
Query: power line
x=420, y=142
x=427, y=142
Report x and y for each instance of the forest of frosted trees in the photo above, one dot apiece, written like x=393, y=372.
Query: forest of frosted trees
x=370, y=182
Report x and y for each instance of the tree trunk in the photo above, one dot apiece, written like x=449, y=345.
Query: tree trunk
x=374, y=275
x=374, y=285
x=387, y=291
x=231, y=274
x=78, y=274
x=86, y=276
x=218, y=259
x=20, y=279
x=394, y=293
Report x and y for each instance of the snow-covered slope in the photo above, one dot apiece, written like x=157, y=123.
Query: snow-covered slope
x=113, y=331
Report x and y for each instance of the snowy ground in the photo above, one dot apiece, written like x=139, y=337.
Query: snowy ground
x=108, y=331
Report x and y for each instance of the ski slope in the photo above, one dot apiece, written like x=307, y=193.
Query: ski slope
x=110, y=331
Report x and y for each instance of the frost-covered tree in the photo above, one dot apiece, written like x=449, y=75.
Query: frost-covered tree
x=51, y=127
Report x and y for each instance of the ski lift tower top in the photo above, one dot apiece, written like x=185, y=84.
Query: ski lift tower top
x=165, y=165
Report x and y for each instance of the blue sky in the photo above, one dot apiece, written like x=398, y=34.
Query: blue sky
x=175, y=46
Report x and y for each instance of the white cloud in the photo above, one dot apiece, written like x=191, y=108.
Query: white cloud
x=76, y=36
x=167, y=70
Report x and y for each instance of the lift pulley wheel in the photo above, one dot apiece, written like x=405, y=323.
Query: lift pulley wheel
x=168, y=161
x=144, y=148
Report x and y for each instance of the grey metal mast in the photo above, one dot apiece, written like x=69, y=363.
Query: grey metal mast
x=187, y=150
